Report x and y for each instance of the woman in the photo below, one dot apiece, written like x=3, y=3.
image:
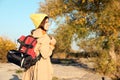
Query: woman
x=45, y=45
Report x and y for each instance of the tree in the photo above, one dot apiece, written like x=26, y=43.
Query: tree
x=86, y=17
x=96, y=21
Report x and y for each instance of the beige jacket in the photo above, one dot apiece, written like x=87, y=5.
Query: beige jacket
x=43, y=68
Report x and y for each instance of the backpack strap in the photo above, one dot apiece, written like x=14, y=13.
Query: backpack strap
x=36, y=59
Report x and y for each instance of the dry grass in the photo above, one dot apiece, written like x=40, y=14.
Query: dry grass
x=5, y=46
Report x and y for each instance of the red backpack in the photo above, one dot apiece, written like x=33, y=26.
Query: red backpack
x=25, y=56
x=27, y=44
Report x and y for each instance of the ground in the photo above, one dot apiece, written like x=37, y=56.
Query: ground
x=9, y=71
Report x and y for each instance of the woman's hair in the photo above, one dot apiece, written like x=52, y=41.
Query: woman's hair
x=43, y=23
x=32, y=31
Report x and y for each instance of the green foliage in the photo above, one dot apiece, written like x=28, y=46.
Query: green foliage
x=61, y=7
x=104, y=64
x=81, y=16
x=5, y=46
x=64, y=42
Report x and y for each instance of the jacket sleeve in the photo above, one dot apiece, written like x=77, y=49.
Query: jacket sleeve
x=44, y=48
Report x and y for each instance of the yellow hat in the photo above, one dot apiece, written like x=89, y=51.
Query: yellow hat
x=37, y=19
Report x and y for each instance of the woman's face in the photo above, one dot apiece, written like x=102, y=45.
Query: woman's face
x=47, y=24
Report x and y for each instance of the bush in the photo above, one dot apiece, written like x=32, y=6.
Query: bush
x=5, y=46
x=104, y=64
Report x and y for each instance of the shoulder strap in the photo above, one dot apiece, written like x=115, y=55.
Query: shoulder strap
x=38, y=57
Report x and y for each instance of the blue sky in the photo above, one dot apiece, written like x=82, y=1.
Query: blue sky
x=14, y=17
x=15, y=20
